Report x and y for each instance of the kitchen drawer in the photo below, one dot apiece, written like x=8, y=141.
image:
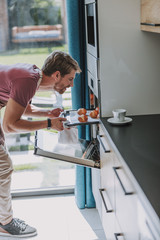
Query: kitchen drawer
x=125, y=203
x=107, y=188
x=107, y=163
x=107, y=193
x=109, y=221
x=147, y=230
x=107, y=178
x=96, y=185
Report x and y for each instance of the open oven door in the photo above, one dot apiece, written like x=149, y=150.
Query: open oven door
x=84, y=152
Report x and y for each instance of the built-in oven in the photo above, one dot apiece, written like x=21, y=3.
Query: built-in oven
x=92, y=54
x=93, y=74
x=91, y=19
x=85, y=153
x=81, y=152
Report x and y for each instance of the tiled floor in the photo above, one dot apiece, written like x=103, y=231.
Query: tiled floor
x=59, y=218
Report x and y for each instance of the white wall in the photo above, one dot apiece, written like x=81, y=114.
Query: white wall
x=129, y=60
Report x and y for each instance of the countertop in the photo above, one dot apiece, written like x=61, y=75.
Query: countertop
x=139, y=145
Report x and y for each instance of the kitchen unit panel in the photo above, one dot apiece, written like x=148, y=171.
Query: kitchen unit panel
x=96, y=185
x=128, y=59
x=107, y=178
x=108, y=204
x=111, y=226
x=146, y=227
x=107, y=174
x=96, y=174
x=107, y=191
x=93, y=65
x=126, y=203
x=136, y=169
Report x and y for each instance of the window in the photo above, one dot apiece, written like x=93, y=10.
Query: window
x=30, y=31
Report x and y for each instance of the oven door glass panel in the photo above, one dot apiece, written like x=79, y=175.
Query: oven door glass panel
x=90, y=24
x=91, y=27
x=82, y=153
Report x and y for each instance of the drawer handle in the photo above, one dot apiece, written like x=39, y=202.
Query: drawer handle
x=102, y=144
x=105, y=205
x=125, y=192
x=117, y=235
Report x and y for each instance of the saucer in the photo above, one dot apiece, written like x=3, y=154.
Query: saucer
x=115, y=122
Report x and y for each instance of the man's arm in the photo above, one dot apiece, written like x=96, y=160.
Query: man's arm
x=12, y=121
x=34, y=111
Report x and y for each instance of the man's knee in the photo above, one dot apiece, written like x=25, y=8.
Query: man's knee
x=6, y=165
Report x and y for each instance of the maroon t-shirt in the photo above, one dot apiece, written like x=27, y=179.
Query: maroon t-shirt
x=19, y=82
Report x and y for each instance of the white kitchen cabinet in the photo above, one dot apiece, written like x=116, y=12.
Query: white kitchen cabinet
x=124, y=213
x=147, y=229
x=107, y=174
x=96, y=176
x=119, y=200
x=110, y=224
x=126, y=203
x=96, y=185
x=107, y=191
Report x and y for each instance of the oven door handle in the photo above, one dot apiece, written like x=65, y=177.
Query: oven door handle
x=99, y=137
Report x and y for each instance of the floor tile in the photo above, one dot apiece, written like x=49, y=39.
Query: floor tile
x=59, y=218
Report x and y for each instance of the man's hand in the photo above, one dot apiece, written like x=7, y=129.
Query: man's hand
x=57, y=123
x=55, y=112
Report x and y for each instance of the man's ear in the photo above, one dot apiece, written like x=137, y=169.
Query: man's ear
x=56, y=75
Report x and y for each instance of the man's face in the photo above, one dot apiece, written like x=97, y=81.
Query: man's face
x=65, y=82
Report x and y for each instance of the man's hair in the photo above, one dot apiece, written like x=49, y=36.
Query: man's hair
x=60, y=61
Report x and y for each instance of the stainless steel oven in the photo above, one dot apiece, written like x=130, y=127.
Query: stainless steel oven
x=91, y=19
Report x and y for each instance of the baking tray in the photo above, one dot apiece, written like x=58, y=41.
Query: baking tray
x=72, y=118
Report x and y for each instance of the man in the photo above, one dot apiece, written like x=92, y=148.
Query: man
x=18, y=84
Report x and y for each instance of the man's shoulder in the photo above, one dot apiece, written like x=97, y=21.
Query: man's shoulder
x=24, y=71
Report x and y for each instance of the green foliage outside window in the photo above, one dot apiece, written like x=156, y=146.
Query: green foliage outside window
x=33, y=12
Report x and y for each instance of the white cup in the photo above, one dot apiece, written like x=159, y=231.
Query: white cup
x=119, y=114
